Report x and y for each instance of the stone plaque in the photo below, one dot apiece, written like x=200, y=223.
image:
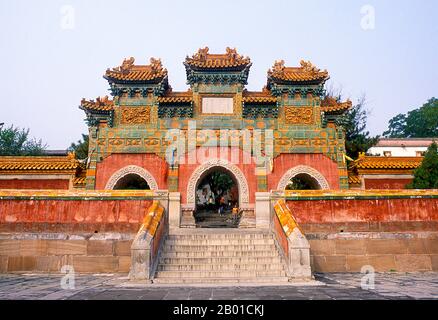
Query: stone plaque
x=217, y=105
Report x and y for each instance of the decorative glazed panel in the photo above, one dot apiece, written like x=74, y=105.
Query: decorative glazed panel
x=298, y=115
x=135, y=115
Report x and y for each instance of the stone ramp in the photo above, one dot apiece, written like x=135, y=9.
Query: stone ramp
x=220, y=256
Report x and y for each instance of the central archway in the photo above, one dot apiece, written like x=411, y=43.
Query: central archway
x=216, y=194
x=216, y=189
x=221, y=164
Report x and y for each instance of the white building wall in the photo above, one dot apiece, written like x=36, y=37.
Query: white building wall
x=397, y=151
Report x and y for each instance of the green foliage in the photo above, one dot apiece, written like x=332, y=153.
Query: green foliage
x=426, y=175
x=132, y=182
x=418, y=123
x=357, y=139
x=16, y=142
x=80, y=148
x=354, y=121
x=396, y=128
x=220, y=181
x=298, y=183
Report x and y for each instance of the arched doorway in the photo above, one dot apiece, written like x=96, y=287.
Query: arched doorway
x=303, y=178
x=217, y=194
x=303, y=181
x=222, y=166
x=131, y=181
x=131, y=177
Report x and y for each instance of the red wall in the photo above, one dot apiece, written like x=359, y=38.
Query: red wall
x=56, y=215
x=44, y=184
x=151, y=162
x=319, y=162
x=386, y=183
x=356, y=210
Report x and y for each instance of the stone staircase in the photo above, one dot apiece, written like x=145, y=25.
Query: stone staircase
x=215, y=220
x=220, y=256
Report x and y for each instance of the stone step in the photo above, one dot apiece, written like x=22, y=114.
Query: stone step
x=222, y=260
x=220, y=254
x=213, y=280
x=221, y=267
x=217, y=242
x=219, y=274
x=218, y=248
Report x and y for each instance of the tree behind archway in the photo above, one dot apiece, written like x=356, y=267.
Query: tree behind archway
x=426, y=175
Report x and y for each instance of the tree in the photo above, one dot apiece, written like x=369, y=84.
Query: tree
x=426, y=175
x=418, y=123
x=80, y=148
x=298, y=183
x=16, y=142
x=357, y=138
x=396, y=128
x=354, y=122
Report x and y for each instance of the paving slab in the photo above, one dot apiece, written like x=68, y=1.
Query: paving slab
x=327, y=286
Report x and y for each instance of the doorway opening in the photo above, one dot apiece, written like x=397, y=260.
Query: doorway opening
x=217, y=200
x=131, y=181
x=303, y=181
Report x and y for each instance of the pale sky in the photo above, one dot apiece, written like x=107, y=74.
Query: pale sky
x=49, y=61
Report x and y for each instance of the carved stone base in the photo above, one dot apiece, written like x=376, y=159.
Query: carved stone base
x=187, y=218
x=299, y=256
x=248, y=218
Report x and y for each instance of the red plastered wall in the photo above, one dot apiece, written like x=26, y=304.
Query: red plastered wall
x=354, y=210
x=44, y=184
x=151, y=162
x=386, y=183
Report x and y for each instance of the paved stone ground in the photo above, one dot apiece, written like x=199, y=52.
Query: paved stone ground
x=334, y=286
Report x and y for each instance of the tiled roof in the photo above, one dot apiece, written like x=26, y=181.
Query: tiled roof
x=305, y=73
x=366, y=162
x=77, y=194
x=353, y=178
x=285, y=217
x=137, y=73
x=79, y=182
x=152, y=219
x=101, y=104
x=258, y=97
x=356, y=194
x=38, y=164
x=332, y=105
x=229, y=60
x=176, y=97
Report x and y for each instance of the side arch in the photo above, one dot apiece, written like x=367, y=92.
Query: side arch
x=242, y=183
x=131, y=170
x=315, y=174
